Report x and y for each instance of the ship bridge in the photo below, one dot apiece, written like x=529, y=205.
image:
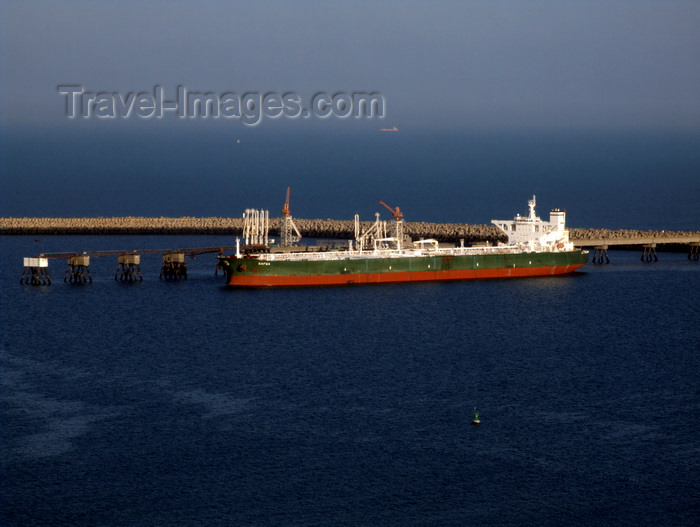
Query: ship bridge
x=533, y=231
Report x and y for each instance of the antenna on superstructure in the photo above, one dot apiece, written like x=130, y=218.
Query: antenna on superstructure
x=532, y=205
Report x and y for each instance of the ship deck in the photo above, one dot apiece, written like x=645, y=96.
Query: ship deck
x=400, y=253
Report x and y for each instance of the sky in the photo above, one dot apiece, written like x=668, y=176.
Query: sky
x=495, y=64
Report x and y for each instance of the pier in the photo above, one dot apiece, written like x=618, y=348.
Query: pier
x=36, y=272
x=648, y=244
x=174, y=267
x=78, y=269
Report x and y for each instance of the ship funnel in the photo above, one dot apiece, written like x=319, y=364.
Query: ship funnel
x=557, y=218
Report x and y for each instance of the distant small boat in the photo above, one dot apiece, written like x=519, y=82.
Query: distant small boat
x=394, y=129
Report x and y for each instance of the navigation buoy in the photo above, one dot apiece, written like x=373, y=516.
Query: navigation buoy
x=476, y=420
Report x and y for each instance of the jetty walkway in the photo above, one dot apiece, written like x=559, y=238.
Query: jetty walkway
x=649, y=243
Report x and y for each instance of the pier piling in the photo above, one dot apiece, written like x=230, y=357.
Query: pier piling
x=601, y=252
x=174, y=267
x=694, y=253
x=129, y=269
x=649, y=252
x=36, y=272
x=78, y=271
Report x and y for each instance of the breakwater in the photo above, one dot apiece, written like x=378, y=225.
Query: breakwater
x=332, y=229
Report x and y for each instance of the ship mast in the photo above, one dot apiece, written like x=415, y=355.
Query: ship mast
x=376, y=231
x=289, y=234
x=532, y=204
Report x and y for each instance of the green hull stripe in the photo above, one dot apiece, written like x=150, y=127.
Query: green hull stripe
x=349, y=266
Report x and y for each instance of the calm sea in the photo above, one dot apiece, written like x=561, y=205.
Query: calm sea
x=185, y=403
x=165, y=404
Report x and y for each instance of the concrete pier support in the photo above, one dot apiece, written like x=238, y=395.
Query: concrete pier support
x=174, y=267
x=129, y=269
x=36, y=272
x=649, y=252
x=78, y=271
x=600, y=253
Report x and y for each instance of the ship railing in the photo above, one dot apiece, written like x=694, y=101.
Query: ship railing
x=355, y=254
x=408, y=253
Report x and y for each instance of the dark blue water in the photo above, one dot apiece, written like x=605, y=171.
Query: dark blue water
x=162, y=403
x=634, y=180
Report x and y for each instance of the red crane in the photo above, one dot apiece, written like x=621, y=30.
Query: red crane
x=285, y=209
x=396, y=213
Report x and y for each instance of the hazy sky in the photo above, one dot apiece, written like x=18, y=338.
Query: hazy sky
x=574, y=64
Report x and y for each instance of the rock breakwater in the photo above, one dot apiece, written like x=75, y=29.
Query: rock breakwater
x=332, y=229
x=120, y=225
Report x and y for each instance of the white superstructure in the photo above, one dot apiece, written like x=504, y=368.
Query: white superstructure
x=533, y=233
x=525, y=234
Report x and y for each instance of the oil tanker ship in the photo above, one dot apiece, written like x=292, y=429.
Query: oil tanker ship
x=534, y=248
